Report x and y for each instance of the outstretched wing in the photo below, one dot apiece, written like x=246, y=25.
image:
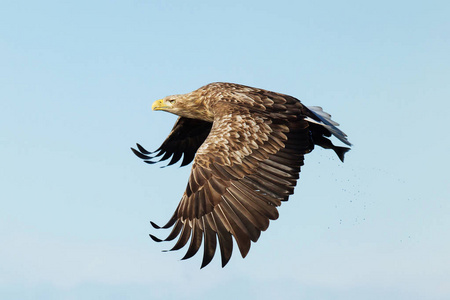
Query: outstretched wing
x=185, y=138
x=248, y=164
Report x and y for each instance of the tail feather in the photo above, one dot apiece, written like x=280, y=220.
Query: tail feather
x=322, y=118
x=322, y=126
x=340, y=151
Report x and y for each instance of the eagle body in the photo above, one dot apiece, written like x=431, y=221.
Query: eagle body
x=247, y=146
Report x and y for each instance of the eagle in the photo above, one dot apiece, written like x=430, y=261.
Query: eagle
x=247, y=146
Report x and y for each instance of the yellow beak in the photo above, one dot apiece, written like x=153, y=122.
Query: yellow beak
x=159, y=105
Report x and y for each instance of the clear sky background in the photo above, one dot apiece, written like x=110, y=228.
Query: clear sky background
x=77, y=81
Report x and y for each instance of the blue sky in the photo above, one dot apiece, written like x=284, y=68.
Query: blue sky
x=77, y=81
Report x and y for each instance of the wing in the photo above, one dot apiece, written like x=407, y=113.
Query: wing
x=248, y=164
x=185, y=138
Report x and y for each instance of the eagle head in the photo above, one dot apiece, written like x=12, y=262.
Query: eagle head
x=186, y=105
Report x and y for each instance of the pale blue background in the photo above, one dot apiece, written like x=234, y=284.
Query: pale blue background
x=77, y=81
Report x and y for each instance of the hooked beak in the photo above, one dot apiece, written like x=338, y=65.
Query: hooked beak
x=159, y=105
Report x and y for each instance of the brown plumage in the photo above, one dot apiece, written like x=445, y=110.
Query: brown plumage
x=248, y=145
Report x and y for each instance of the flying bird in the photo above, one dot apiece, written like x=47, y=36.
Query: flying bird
x=247, y=146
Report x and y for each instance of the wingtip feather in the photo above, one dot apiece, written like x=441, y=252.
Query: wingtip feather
x=155, y=238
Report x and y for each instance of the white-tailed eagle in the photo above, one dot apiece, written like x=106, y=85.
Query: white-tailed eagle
x=248, y=145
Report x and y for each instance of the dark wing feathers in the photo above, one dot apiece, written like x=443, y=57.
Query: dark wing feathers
x=184, y=237
x=196, y=240
x=185, y=138
x=210, y=239
x=224, y=237
x=235, y=193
